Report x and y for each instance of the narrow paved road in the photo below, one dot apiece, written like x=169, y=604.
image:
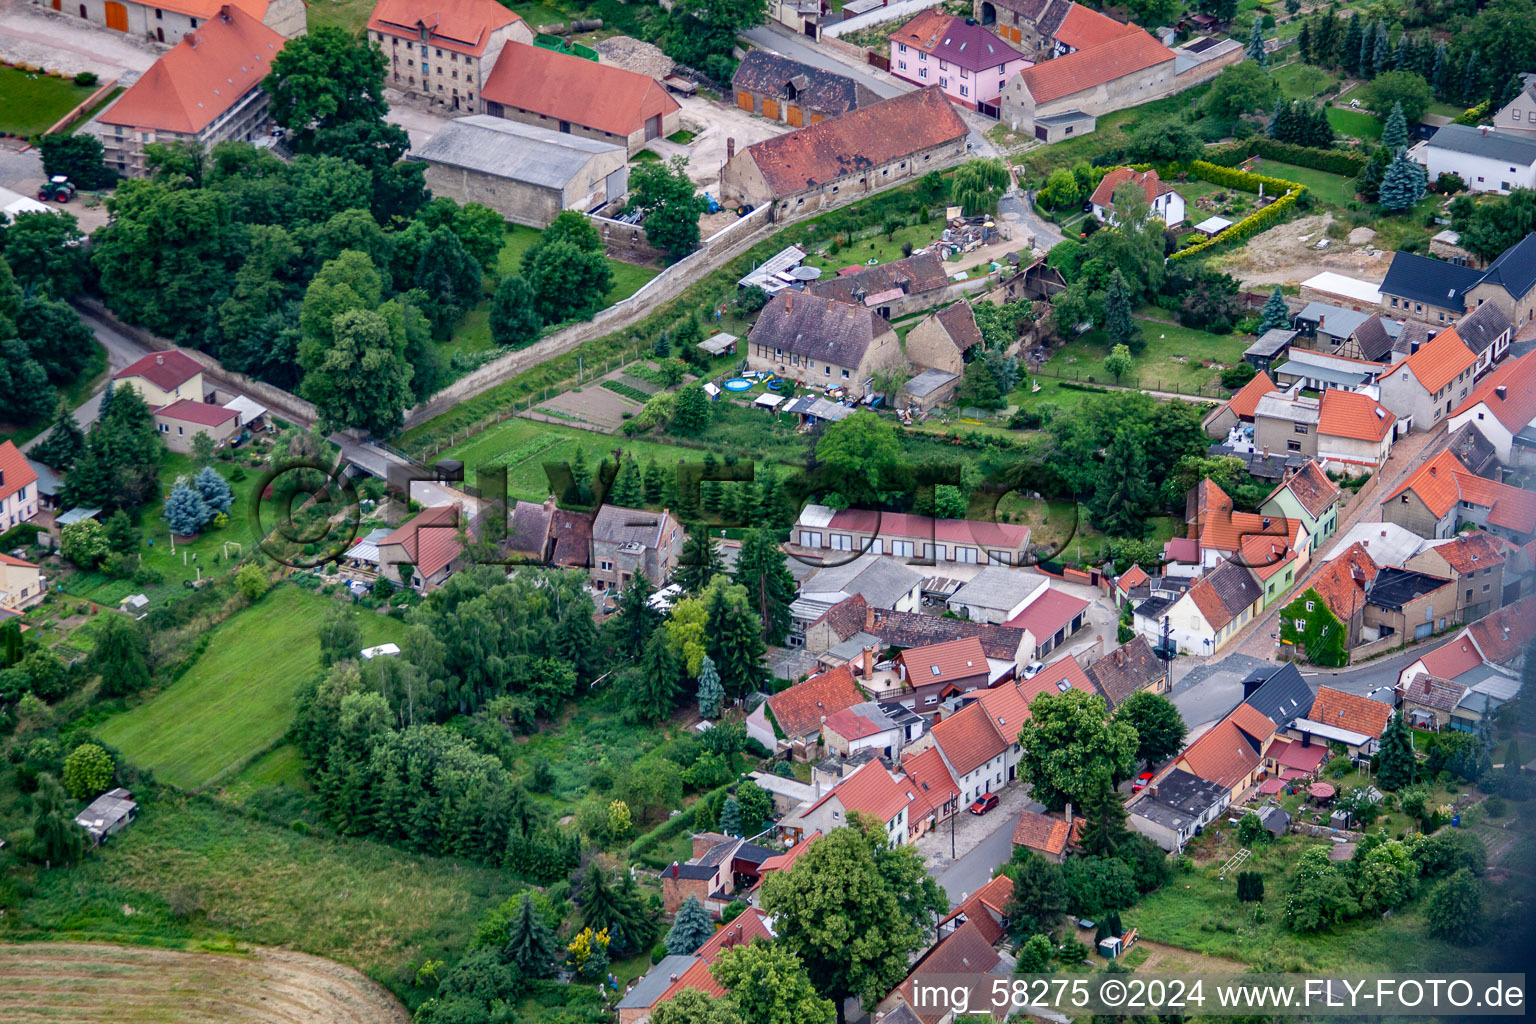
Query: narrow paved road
x=782, y=41
x=121, y=351
x=974, y=868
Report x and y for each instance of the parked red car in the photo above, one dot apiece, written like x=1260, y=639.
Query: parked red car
x=984, y=803
x=1141, y=782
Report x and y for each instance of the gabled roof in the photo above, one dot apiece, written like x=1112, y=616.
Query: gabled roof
x=1470, y=551
x=1502, y=636
x=1223, y=593
x=965, y=953
x=1513, y=508
x=464, y=26
x=1225, y=530
x=1252, y=721
x=563, y=87
x=913, y=275
x=572, y=534
x=870, y=790
x=909, y=629
x=514, y=150
x=1135, y=576
x=1516, y=410
x=1434, y=692
x=200, y=78
x=750, y=926
x=615, y=524
x=1150, y=183
x=1355, y=415
x=985, y=907
x=15, y=472
x=955, y=40
x=165, y=370
x=1436, y=282
x=201, y=413
x=1452, y=659
x=1052, y=611
x=1434, y=482
x=1343, y=581
x=1483, y=326
x=1223, y=755
x=814, y=88
x=798, y=711
x=932, y=785
x=846, y=617
x=959, y=322
x=1282, y=695
x=861, y=139
x=1083, y=27
x=1310, y=486
x=1246, y=400
x=1059, y=676
x=1042, y=833
x=19, y=563
x=818, y=327
x=1374, y=341
x=1350, y=711
x=858, y=722
x=430, y=539
x=1125, y=670
x=1008, y=708
x=1095, y=66
x=1264, y=556
x=1515, y=269
x=968, y=739
x=1504, y=147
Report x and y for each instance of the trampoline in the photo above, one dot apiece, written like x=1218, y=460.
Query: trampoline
x=738, y=384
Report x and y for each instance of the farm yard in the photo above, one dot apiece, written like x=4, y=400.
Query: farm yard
x=237, y=699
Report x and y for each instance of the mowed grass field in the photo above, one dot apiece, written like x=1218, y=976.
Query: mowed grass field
x=1170, y=362
x=238, y=697
x=1332, y=189
x=30, y=103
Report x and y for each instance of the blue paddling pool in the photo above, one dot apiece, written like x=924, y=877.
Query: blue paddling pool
x=775, y=385
x=738, y=384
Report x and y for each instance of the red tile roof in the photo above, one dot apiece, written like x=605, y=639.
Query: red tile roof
x=1094, y=66
x=1225, y=530
x=1252, y=721
x=20, y=563
x=1150, y=184
x=1342, y=582
x=1353, y=415
x=1051, y=611
x=863, y=138
x=464, y=26
x=1222, y=755
x=1502, y=636
x=202, y=413
x=1135, y=576
x=1008, y=708
x=1451, y=660
x=1434, y=483
x=1517, y=409
x=1265, y=556
x=430, y=539
x=1437, y=363
x=165, y=370
x=1051, y=679
x=202, y=77
x=1513, y=508
x=749, y=926
x=1311, y=487
x=851, y=725
x=798, y=711
x=205, y=9
x=1084, y=27
x=985, y=908
x=1470, y=551
x=15, y=472
x=964, y=953
x=1288, y=753
x=566, y=88
x=870, y=790
x=1245, y=402
x=784, y=861
x=946, y=662
x=968, y=738
x=1041, y=832
x=1350, y=711
x=932, y=785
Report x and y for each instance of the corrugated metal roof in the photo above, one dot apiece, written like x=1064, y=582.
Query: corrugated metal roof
x=510, y=149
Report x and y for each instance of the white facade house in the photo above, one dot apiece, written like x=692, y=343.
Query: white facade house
x=1487, y=160
x=1167, y=205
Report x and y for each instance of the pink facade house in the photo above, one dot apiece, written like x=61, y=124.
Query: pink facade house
x=967, y=61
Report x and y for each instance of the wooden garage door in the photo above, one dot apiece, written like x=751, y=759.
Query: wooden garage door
x=770, y=108
x=117, y=16
x=795, y=118
x=744, y=99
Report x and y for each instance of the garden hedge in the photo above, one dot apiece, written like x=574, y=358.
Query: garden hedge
x=1255, y=222
x=1332, y=161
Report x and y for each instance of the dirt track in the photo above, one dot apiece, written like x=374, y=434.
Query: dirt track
x=87, y=983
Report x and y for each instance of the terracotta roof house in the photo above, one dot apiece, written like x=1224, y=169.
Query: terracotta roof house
x=1225, y=755
x=1354, y=431
x=429, y=542
x=934, y=794
x=1048, y=836
x=839, y=623
x=822, y=341
x=1239, y=410
x=796, y=714
x=1059, y=676
x=1503, y=636
x=1166, y=204
x=161, y=378
x=1447, y=661
x=799, y=94
x=1342, y=584
x=1216, y=607
x=970, y=63
x=1220, y=530
x=909, y=629
x=985, y=908
x=19, y=500
x=1127, y=670
x=565, y=92
x=1475, y=560
x=172, y=21
x=1441, y=497
x=181, y=421
x=849, y=155
x=1309, y=497
x=205, y=90
x=1102, y=78
x=891, y=289
x=1052, y=618
x=973, y=748
x=674, y=973
x=1425, y=387
x=870, y=790
x=1351, y=719
x=940, y=670
x=964, y=952
x=21, y=583
x=1503, y=410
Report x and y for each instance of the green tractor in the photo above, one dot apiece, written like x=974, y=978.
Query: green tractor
x=58, y=188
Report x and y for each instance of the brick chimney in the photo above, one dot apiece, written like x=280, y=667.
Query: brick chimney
x=730, y=148
x=868, y=671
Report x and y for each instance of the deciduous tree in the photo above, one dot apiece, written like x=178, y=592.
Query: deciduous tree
x=1070, y=745
x=1159, y=726
x=770, y=985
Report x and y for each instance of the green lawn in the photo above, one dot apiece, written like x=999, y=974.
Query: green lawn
x=1298, y=81
x=347, y=15
x=1112, y=132
x=30, y=102
x=1332, y=189
x=237, y=698
x=238, y=881
x=880, y=248
x=1354, y=122
x=281, y=766
x=1450, y=110
x=1170, y=362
